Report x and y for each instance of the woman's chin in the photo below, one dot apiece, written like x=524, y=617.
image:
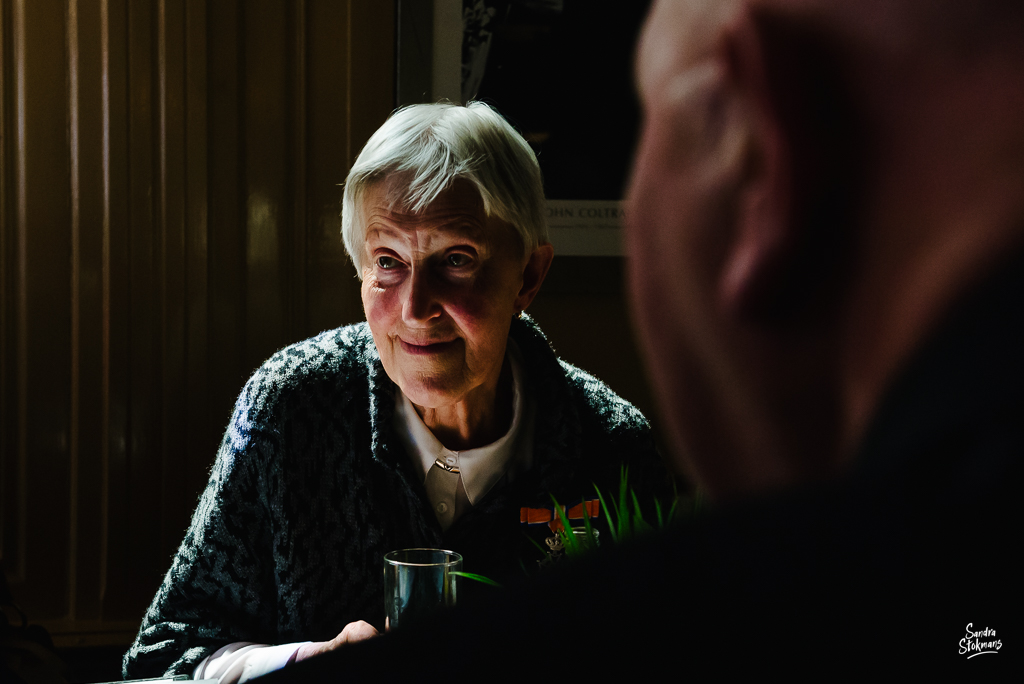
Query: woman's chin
x=434, y=391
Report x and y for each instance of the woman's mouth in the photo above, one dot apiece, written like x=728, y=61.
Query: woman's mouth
x=426, y=348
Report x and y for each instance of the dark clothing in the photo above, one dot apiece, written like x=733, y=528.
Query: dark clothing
x=311, y=488
x=888, y=565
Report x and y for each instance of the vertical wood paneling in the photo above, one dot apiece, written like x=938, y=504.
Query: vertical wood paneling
x=333, y=299
x=8, y=406
x=267, y=169
x=15, y=558
x=169, y=198
x=105, y=450
x=225, y=126
x=118, y=569
x=144, y=462
x=74, y=153
x=201, y=428
x=87, y=288
x=46, y=244
x=370, y=97
x=297, y=95
x=171, y=60
x=5, y=403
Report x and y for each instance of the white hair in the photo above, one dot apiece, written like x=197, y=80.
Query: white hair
x=426, y=147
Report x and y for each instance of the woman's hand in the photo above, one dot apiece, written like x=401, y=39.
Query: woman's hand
x=353, y=632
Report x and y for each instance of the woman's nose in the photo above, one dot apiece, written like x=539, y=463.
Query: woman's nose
x=421, y=301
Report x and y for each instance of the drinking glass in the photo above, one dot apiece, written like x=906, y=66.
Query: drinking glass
x=417, y=582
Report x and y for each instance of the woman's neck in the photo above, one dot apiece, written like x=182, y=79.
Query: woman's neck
x=483, y=416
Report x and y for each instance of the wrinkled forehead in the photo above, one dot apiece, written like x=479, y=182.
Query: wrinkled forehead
x=458, y=209
x=391, y=195
x=676, y=36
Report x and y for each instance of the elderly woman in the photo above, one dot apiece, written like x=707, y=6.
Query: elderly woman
x=444, y=420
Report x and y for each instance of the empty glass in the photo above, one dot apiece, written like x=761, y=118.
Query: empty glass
x=417, y=582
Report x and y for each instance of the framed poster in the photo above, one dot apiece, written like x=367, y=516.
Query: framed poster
x=561, y=72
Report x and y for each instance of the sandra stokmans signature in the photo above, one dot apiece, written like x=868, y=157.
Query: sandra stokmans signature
x=979, y=642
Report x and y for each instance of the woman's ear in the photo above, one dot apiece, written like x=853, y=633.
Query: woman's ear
x=535, y=271
x=791, y=226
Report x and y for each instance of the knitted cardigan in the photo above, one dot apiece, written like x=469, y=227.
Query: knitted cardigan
x=311, y=487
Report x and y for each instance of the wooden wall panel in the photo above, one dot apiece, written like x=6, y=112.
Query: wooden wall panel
x=116, y=570
x=173, y=271
x=44, y=246
x=298, y=142
x=88, y=352
x=226, y=232
x=169, y=198
x=334, y=104
x=268, y=253
x=142, y=467
x=201, y=428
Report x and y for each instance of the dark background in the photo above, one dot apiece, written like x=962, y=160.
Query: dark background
x=564, y=79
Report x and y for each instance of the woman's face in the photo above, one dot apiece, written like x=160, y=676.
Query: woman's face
x=439, y=290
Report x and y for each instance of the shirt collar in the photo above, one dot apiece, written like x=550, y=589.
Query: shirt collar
x=481, y=468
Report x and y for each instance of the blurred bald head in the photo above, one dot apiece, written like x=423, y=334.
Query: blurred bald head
x=817, y=182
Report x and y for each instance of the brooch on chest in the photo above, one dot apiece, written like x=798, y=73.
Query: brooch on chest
x=533, y=517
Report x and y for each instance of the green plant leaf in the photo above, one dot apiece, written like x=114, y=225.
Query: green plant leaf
x=569, y=541
x=638, y=515
x=621, y=510
x=564, y=538
x=640, y=526
x=475, y=577
x=674, y=510
x=608, y=516
x=591, y=539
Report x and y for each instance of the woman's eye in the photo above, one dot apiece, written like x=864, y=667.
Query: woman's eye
x=387, y=262
x=457, y=260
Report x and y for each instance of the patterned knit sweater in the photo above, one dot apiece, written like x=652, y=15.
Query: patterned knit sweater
x=311, y=487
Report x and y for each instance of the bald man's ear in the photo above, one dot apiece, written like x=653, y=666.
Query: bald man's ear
x=798, y=206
